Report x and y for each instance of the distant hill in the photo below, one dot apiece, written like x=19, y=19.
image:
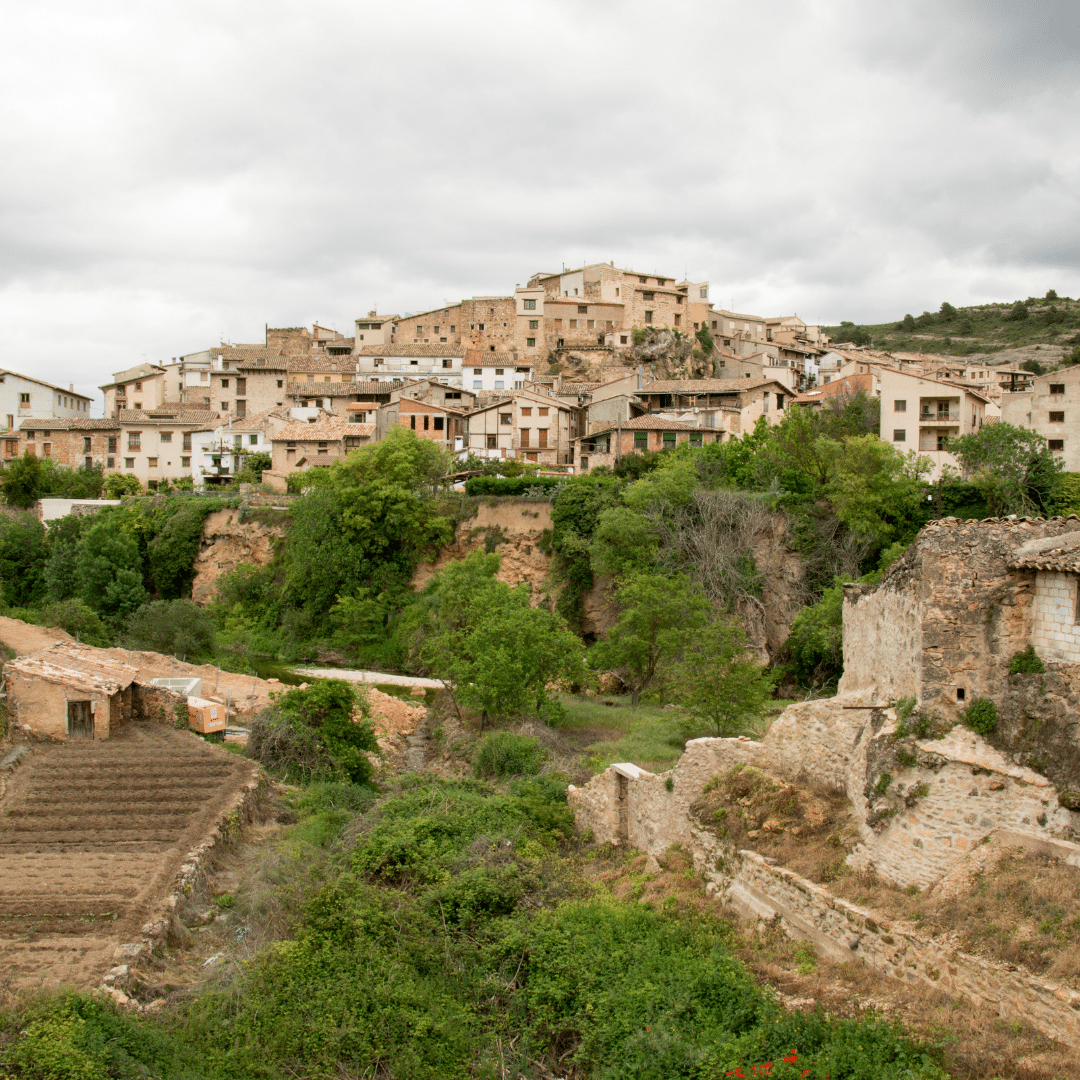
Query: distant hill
x=966, y=331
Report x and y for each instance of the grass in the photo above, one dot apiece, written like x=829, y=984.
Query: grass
x=646, y=735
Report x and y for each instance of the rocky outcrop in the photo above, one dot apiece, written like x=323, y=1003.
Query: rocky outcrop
x=230, y=538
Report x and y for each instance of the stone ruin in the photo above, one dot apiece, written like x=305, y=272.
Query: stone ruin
x=937, y=632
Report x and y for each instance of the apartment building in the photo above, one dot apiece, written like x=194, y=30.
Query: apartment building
x=922, y=414
x=743, y=335
x=219, y=450
x=389, y=363
x=525, y=425
x=750, y=397
x=25, y=398
x=1051, y=408
x=374, y=329
x=438, y=422
x=495, y=371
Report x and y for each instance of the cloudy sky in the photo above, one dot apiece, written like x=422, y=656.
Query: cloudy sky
x=172, y=173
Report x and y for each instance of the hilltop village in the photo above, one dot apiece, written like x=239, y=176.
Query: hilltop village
x=584, y=682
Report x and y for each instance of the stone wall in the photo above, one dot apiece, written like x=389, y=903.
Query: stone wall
x=1056, y=631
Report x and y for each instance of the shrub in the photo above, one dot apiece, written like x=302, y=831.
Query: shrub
x=78, y=619
x=120, y=484
x=503, y=754
x=178, y=627
x=981, y=716
x=314, y=733
x=1027, y=662
x=508, y=485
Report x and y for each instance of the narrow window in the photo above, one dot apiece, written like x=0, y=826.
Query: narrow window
x=530, y=343
x=648, y=316
x=960, y=693
x=534, y=324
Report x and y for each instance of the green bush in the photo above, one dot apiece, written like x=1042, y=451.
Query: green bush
x=502, y=754
x=981, y=716
x=77, y=619
x=509, y=485
x=1027, y=662
x=177, y=627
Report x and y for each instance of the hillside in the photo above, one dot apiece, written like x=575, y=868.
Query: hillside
x=1051, y=322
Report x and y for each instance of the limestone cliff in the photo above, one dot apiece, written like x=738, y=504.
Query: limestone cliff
x=228, y=541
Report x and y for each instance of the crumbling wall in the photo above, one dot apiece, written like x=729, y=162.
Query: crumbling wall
x=154, y=704
x=227, y=541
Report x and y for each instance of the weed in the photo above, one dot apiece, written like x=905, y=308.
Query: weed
x=981, y=716
x=669, y=784
x=502, y=754
x=882, y=785
x=807, y=961
x=907, y=758
x=1027, y=662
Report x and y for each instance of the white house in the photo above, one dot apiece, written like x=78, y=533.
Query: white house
x=26, y=398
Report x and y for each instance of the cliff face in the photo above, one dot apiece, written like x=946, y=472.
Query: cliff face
x=768, y=624
x=227, y=542
x=519, y=530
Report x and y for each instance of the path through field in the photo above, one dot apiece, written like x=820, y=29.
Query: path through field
x=91, y=837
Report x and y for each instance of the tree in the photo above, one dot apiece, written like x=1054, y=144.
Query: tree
x=171, y=553
x=1018, y=312
x=22, y=481
x=78, y=620
x=494, y=652
x=947, y=310
x=1051, y=294
x=1033, y=366
x=654, y=613
x=718, y=683
x=62, y=569
x=110, y=569
x=322, y=731
x=120, y=485
x=908, y=323
x=255, y=464
x=1011, y=467
x=816, y=639
x=22, y=560
x=705, y=340
x=177, y=627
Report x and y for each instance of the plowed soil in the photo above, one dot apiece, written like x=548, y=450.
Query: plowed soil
x=92, y=835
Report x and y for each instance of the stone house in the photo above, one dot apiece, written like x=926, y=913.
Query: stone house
x=605, y=446
x=751, y=397
x=435, y=421
x=300, y=446
x=922, y=414
x=25, y=398
x=850, y=384
x=1051, y=408
x=69, y=691
x=156, y=445
x=525, y=425
x=76, y=443
x=309, y=372
x=146, y=386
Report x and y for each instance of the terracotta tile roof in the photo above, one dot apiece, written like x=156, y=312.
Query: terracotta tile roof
x=173, y=415
x=411, y=350
x=321, y=363
x=81, y=666
x=1060, y=553
x=333, y=389
x=486, y=358
x=142, y=371
x=69, y=424
x=247, y=352
x=706, y=386
x=650, y=423
x=257, y=421
x=326, y=429
x=41, y=382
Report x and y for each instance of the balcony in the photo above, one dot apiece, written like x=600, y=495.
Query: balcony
x=934, y=419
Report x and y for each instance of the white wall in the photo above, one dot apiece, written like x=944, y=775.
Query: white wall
x=1055, y=631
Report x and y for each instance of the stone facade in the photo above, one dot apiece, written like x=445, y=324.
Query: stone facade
x=1055, y=629
x=1048, y=409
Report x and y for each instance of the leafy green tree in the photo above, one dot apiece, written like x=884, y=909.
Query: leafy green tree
x=1011, y=467
x=624, y=542
x=718, y=682
x=574, y=515
x=321, y=731
x=494, y=652
x=22, y=560
x=1051, y=294
x=654, y=614
x=77, y=619
x=1018, y=312
x=1034, y=367
x=22, y=481
x=110, y=569
x=908, y=323
x=875, y=489
x=705, y=340
x=171, y=553
x=816, y=639
x=947, y=310
x=120, y=485
x=254, y=466
x=179, y=627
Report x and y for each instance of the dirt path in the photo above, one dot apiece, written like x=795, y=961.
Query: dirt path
x=25, y=638
x=91, y=837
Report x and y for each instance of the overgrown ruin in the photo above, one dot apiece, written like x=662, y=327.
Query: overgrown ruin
x=927, y=795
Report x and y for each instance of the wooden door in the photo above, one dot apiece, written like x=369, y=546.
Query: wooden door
x=80, y=720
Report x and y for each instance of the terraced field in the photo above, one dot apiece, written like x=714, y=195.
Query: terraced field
x=91, y=836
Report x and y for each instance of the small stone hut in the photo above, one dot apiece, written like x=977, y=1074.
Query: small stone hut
x=69, y=691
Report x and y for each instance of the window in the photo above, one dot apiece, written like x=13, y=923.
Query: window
x=134, y=440
x=542, y=412
x=492, y=442
x=224, y=406
x=326, y=379
x=434, y=329
x=24, y=399
x=899, y=435
x=224, y=384
x=1057, y=444
x=643, y=280
x=279, y=384
x=129, y=463
x=438, y=421
x=678, y=320
x=669, y=440
x=1057, y=418
x=419, y=330
x=498, y=371
x=479, y=326
x=641, y=440
x=696, y=438
x=477, y=384
x=110, y=463
x=528, y=305
x=500, y=384
x=187, y=440
x=478, y=371
x=622, y=339
x=573, y=324
x=534, y=324
x=453, y=329
x=447, y=362
x=648, y=297
x=138, y=385
x=138, y=404
x=648, y=316
x=86, y=444
x=166, y=436
x=46, y=449
x=112, y=444
x=703, y=293
x=152, y=462
x=899, y=406
x=427, y=421
x=1057, y=388
x=241, y=386
x=311, y=378
x=541, y=436
x=525, y=436
x=530, y=343
x=412, y=422
x=527, y=412
x=590, y=324
x=412, y=363
x=583, y=309
x=185, y=463
x=506, y=418
x=960, y=693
